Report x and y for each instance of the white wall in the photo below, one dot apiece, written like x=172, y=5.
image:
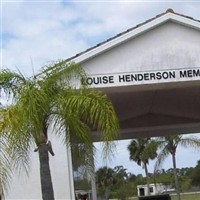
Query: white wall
x=169, y=46
x=23, y=187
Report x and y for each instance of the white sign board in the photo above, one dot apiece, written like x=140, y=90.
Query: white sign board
x=140, y=78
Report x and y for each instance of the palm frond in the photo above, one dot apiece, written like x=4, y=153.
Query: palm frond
x=5, y=167
x=35, y=104
x=93, y=108
x=82, y=157
x=11, y=83
x=162, y=155
x=17, y=136
x=190, y=141
x=72, y=129
x=63, y=74
x=150, y=150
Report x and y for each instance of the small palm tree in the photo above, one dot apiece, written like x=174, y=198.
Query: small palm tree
x=105, y=178
x=141, y=151
x=168, y=146
x=54, y=98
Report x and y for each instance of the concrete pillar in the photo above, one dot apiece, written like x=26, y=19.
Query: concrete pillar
x=93, y=181
x=70, y=180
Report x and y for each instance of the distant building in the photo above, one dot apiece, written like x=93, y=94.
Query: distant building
x=154, y=189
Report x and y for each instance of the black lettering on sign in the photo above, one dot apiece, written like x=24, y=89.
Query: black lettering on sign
x=146, y=76
x=98, y=80
x=152, y=76
x=121, y=78
x=134, y=77
x=196, y=72
x=158, y=76
x=128, y=78
x=139, y=77
x=190, y=73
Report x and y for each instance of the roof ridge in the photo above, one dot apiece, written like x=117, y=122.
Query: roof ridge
x=169, y=10
x=186, y=16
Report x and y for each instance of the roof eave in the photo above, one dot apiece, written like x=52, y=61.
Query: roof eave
x=135, y=32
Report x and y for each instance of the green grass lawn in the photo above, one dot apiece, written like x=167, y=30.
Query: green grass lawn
x=195, y=196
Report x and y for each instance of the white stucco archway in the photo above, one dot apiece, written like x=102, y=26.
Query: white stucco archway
x=151, y=73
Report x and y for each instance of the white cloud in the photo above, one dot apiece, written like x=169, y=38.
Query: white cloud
x=39, y=33
x=36, y=32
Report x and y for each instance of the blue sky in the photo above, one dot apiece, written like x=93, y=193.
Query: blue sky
x=34, y=33
x=185, y=157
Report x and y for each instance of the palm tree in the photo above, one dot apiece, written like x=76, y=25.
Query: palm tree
x=105, y=178
x=121, y=174
x=168, y=146
x=141, y=151
x=54, y=98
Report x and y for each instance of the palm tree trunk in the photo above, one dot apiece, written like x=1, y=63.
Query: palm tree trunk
x=106, y=193
x=176, y=177
x=147, y=177
x=45, y=174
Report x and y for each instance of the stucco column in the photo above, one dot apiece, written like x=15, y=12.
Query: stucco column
x=70, y=180
x=93, y=181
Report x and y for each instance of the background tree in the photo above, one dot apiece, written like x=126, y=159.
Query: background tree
x=131, y=177
x=162, y=176
x=121, y=174
x=141, y=151
x=53, y=99
x=168, y=146
x=195, y=175
x=121, y=187
x=105, y=178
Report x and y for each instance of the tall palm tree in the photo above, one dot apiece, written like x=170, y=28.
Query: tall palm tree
x=141, y=151
x=168, y=146
x=54, y=98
